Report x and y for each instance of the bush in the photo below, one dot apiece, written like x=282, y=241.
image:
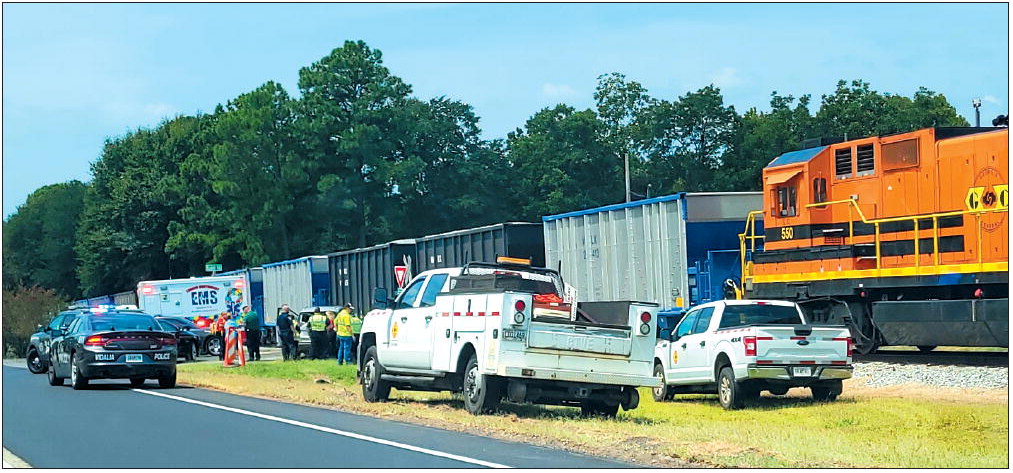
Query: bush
x=23, y=309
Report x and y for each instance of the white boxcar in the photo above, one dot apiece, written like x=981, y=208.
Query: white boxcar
x=300, y=283
x=650, y=250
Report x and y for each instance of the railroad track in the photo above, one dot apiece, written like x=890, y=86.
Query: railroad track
x=964, y=358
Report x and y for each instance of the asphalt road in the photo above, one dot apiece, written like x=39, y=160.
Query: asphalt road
x=113, y=426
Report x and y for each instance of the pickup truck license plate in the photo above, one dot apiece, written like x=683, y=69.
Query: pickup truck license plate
x=801, y=371
x=135, y=358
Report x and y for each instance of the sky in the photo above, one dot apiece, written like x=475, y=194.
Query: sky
x=75, y=75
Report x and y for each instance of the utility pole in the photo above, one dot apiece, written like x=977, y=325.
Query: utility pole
x=977, y=112
x=626, y=164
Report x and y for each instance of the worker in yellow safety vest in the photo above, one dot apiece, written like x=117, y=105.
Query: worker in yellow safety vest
x=318, y=324
x=343, y=326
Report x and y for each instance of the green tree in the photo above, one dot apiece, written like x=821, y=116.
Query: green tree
x=688, y=140
x=24, y=308
x=38, y=239
x=560, y=163
x=621, y=105
x=856, y=111
x=352, y=120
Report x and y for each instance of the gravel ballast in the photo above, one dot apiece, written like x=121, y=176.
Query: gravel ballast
x=879, y=374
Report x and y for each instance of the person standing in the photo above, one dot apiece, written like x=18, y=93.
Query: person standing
x=343, y=328
x=332, y=341
x=251, y=320
x=289, y=346
x=318, y=334
x=218, y=328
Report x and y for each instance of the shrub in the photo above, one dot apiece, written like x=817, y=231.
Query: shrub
x=23, y=309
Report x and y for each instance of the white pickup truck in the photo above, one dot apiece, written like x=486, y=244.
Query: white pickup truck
x=503, y=330
x=741, y=347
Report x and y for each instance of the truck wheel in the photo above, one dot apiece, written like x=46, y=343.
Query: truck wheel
x=731, y=393
x=827, y=392
x=663, y=393
x=35, y=363
x=598, y=409
x=374, y=389
x=482, y=393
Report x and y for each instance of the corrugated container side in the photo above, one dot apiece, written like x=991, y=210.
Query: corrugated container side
x=452, y=249
x=621, y=253
x=125, y=298
x=292, y=283
x=354, y=274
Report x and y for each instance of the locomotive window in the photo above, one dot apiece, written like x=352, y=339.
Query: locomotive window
x=819, y=190
x=866, y=160
x=842, y=163
x=786, y=196
x=901, y=154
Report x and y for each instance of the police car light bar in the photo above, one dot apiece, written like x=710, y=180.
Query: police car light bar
x=509, y=260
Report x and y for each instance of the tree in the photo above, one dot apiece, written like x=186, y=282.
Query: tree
x=688, y=140
x=351, y=120
x=561, y=164
x=24, y=308
x=620, y=106
x=857, y=111
x=760, y=137
x=38, y=239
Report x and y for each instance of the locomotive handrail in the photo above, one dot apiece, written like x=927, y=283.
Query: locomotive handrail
x=750, y=230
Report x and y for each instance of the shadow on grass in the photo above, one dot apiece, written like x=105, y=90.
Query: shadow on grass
x=526, y=411
x=765, y=402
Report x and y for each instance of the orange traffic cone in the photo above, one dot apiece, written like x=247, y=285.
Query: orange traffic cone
x=242, y=343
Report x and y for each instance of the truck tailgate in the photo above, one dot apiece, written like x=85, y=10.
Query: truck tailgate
x=783, y=344
x=611, y=341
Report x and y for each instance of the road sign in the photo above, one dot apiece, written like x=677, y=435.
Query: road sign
x=399, y=274
x=212, y=267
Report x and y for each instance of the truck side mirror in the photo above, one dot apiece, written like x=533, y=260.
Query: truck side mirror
x=380, y=298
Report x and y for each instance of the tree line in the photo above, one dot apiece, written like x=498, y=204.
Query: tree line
x=356, y=159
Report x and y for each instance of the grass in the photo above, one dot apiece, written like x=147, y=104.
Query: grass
x=860, y=430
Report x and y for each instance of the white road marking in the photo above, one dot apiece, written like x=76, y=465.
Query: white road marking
x=329, y=430
x=11, y=460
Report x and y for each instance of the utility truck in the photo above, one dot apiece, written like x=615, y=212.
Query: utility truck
x=504, y=330
x=741, y=347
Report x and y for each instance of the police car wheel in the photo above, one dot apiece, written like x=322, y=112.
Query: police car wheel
x=77, y=380
x=167, y=381
x=374, y=389
x=54, y=380
x=35, y=363
x=192, y=352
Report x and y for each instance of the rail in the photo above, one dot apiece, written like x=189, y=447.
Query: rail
x=750, y=231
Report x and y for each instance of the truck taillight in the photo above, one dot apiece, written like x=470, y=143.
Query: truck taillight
x=750, y=344
x=94, y=341
x=645, y=317
x=519, y=306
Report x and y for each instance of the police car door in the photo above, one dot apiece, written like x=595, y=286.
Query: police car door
x=405, y=329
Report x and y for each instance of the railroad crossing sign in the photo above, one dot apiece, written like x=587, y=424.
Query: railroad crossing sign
x=399, y=274
x=211, y=268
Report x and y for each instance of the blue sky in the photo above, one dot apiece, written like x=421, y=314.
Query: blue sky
x=75, y=75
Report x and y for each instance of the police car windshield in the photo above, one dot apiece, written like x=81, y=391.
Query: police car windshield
x=101, y=323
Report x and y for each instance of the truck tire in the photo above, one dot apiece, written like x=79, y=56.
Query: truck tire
x=374, y=389
x=827, y=392
x=663, y=393
x=482, y=393
x=731, y=393
x=598, y=409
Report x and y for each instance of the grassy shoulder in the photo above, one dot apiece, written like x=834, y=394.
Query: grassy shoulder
x=860, y=430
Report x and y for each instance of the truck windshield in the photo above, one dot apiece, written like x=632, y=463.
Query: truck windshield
x=759, y=314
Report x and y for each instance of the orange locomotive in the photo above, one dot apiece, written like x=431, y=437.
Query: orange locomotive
x=840, y=225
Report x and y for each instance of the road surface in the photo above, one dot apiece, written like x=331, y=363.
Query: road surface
x=111, y=425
